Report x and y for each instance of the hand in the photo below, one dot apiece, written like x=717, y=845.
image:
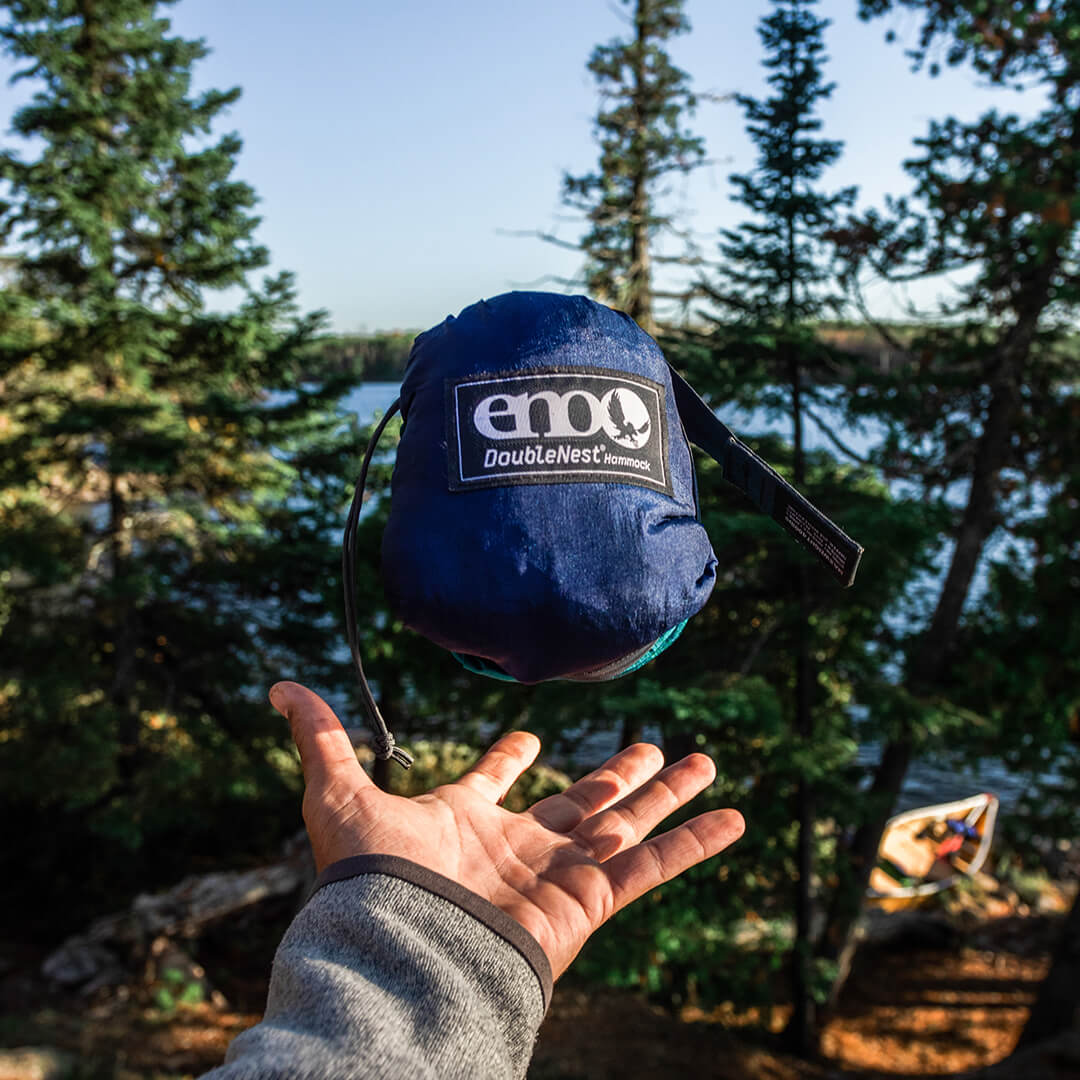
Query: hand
x=561, y=868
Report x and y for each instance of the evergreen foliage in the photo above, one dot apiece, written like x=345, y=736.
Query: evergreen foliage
x=168, y=523
x=995, y=197
x=772, y=287
x=775, y=268
x=731, y=685
x=1018, y=671
x=174, y=478
x=642, y=135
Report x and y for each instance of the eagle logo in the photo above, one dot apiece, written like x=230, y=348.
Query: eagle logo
x=627, y=421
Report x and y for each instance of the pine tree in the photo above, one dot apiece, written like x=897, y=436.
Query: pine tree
x=996, y=198
x=169, y=517
x=771, y=291
x=642, y=137
x=1017, y=668
x=775, y=271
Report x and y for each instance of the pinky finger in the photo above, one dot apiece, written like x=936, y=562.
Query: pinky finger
x=633, y=872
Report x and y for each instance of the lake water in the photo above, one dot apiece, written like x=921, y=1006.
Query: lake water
x=926, y=783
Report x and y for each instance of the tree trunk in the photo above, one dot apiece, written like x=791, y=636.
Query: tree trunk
x=801, y=1030
x=112, y=947
x=802, y=1026
x=838, y=941
x=934, y=649
x=633, y=731
x=122, y=614
x=804, y=1015
x=639, y=276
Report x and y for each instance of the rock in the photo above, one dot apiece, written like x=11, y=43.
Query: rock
x=36, y=1063
x=80, y=961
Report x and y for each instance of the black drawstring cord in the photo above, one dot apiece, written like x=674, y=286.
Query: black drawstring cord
x=383, y=743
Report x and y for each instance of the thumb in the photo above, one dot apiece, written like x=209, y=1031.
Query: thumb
x=326, y=754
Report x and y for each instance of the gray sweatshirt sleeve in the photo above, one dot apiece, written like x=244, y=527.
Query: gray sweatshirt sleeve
x=391, y=970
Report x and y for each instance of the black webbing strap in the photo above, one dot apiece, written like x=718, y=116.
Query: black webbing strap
x=765, y=487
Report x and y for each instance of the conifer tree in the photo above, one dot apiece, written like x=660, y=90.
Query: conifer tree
x=995, y=198
x=642, y=135
x=168, y=531
x=775, y=269
x=1017, y=668
x=772, y=289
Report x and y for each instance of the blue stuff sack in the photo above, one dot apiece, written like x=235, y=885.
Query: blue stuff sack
x=543, y=519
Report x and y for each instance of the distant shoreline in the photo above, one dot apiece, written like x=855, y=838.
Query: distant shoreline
x=382, y=356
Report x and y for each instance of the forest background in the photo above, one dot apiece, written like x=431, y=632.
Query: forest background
x=177, y=460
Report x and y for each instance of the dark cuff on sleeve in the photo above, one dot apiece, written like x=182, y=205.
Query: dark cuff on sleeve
x=496, y=920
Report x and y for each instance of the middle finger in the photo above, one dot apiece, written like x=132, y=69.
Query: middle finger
x=615, y=779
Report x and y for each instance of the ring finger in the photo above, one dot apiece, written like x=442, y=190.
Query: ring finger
x=630, y=820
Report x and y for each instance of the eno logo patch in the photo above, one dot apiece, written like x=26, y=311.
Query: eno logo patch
x=556, y=427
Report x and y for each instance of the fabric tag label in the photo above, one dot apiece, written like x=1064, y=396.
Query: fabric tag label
x=556, y=426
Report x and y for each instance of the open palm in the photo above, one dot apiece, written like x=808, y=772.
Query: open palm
x=560, y=869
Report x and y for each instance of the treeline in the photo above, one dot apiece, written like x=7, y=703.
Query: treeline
x=379, y=357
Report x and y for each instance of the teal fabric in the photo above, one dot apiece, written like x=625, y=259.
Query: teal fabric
x=669, y=637
x=478, y=665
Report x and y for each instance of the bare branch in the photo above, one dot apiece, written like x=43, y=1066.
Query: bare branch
x=918, y=274
x=537, y=234
x=680, y=260
x=831, y=436
x=687, y=294
x=759, y=643
x=880, y=328
x=620, y=14
x=715, y=97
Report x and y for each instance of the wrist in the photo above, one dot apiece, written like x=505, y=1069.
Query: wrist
x=513, y=930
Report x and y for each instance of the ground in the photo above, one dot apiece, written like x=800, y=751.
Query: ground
x=909, y=1011
x=906, y=1013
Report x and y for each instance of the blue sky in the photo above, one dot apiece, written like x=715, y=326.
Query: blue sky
x=392, y=144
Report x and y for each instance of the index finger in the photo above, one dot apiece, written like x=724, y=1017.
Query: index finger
x=326, y=752
x=497, y=771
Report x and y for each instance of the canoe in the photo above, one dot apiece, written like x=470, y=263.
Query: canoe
x=929, y=849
